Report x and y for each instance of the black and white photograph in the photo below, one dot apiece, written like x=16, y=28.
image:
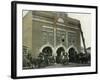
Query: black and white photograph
x=53, y=39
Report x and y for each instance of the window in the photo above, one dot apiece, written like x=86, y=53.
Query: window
x=47, y=35
x=71, y=38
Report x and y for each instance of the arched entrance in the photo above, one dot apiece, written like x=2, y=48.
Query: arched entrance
x=72, y=55
x=59, y=52
x=47, y=51
x=47, y=48
x=45, y=55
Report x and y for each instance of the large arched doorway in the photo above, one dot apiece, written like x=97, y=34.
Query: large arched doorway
x=44, y=56
x=72, y=55
x=59, y=52
x=47, y=51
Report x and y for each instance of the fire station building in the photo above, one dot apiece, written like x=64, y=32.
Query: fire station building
x=50, y=32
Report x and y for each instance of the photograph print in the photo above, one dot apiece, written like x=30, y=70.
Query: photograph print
x=57, y=40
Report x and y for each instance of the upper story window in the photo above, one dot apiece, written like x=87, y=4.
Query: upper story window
x=47, y=35
x=72, y=38
x=61, y=37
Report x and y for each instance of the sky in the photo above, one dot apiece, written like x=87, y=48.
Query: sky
x=85, y=20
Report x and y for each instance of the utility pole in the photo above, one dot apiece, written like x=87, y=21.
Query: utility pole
x=83, y=39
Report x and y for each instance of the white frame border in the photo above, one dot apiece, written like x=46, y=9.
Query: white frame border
x=36, y=72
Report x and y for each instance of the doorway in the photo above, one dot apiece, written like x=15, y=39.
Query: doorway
x=47, y=51
x=72, y=55
x=59, y=52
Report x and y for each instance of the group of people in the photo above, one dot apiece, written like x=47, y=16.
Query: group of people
x=44, y=59
x=62, y=58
